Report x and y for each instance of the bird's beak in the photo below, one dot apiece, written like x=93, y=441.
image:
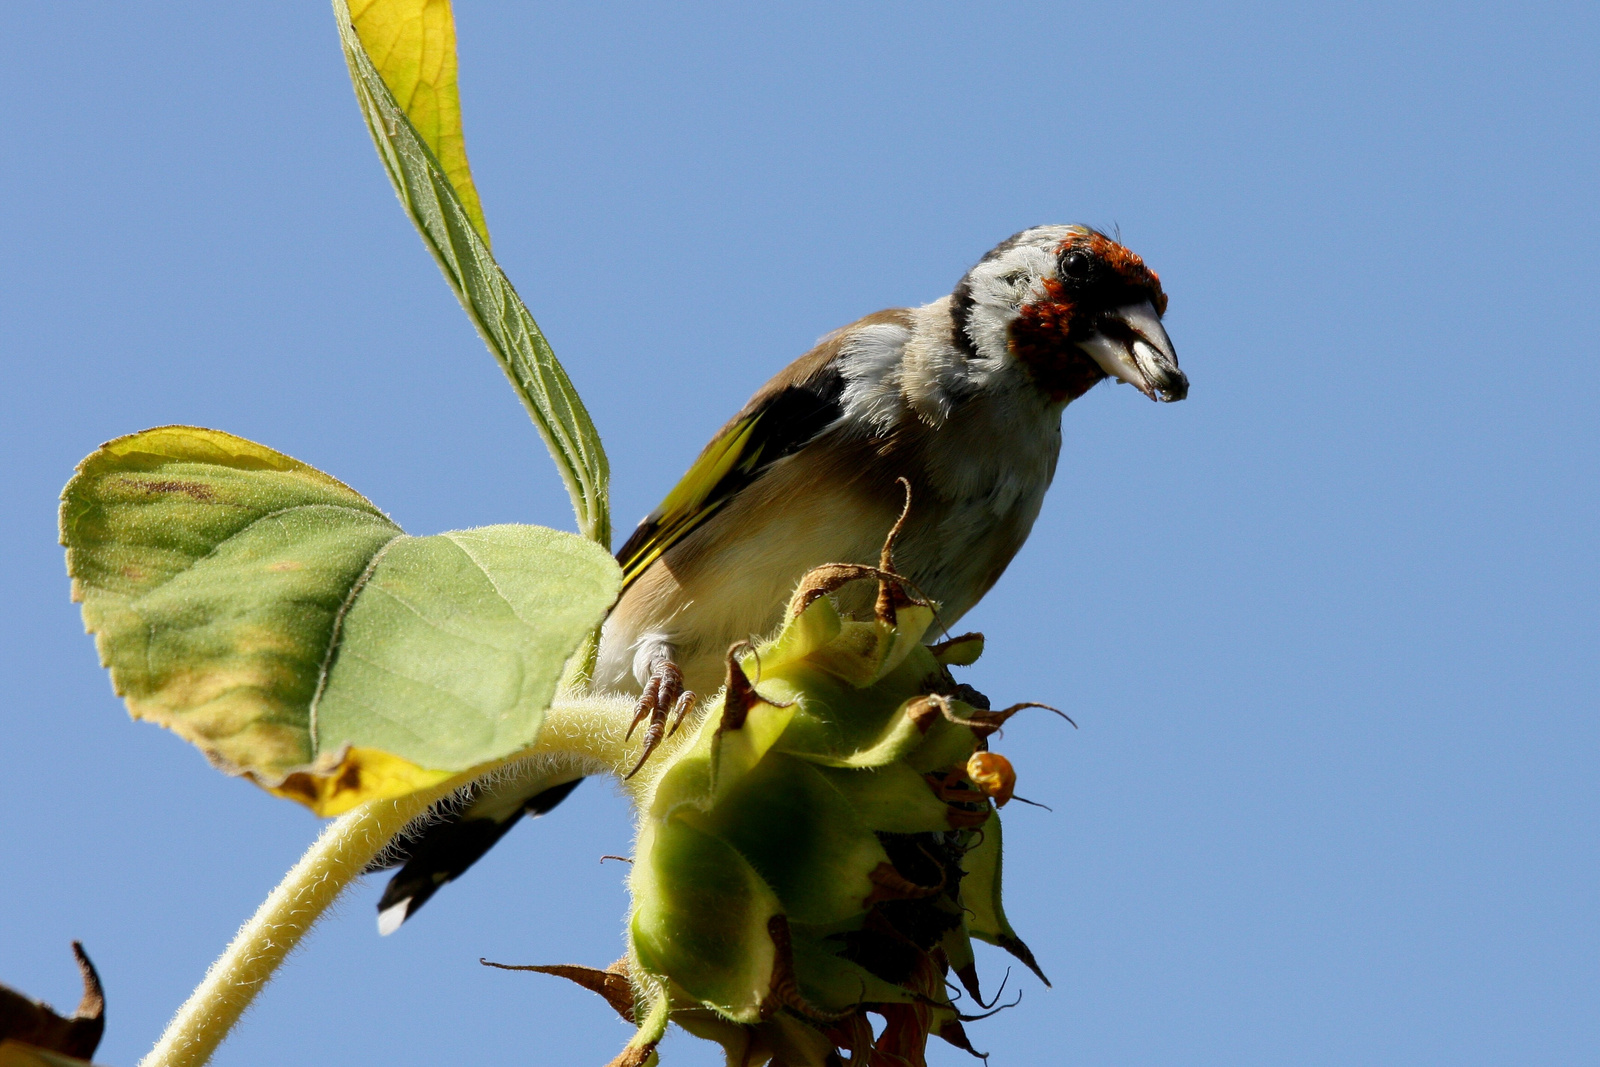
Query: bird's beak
x=1132, y=345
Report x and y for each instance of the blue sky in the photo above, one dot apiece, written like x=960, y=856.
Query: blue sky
x=1328, y=627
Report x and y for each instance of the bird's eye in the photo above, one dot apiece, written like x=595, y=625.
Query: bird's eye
x=1076, y=265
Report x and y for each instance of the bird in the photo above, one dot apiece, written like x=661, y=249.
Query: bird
x=954, y=406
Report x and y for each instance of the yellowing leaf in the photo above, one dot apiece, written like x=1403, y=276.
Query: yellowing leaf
x=440, y=213
x=354, y=776
x=280, y=622
x=412, y=44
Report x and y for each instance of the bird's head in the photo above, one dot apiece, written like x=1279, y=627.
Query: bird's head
x=1071, y=307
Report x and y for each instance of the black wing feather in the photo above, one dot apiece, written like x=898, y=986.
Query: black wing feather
x=775, y=425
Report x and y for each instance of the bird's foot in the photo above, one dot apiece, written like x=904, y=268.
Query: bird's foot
x=664, y=698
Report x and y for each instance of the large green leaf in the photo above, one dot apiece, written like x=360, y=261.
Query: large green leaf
x=454, y=233
x=278, y=620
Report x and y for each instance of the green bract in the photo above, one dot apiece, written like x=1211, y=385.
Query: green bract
x=278, y=620
x=816, y=850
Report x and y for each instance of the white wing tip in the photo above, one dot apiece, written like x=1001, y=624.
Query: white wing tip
x=390, y=918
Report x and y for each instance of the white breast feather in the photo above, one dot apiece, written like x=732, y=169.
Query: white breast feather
x=870, y=362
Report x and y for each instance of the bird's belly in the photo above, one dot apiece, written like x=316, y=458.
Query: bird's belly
x=978, y=504
x=955, y=559
x=731, y=579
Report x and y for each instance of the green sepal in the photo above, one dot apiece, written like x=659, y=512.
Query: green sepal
x=702, y=918
x=830, y=983
x=899, y=735
x=852, y=682
x=980, y=895
x=717, y=756
x=652, y=1007
x=735, y=752
x=959, y=651
x=820, y=866
x=957, y=947
x=855, y=652
x=946, y=743
x=893, y=798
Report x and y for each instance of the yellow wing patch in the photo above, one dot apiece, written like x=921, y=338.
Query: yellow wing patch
x=784, y=417
x=691, y=501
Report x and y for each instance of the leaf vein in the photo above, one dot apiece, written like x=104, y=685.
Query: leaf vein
x=336, y=634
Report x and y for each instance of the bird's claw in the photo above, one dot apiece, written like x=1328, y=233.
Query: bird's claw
x=664, y=698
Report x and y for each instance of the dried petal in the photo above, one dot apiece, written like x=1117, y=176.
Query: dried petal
x=992, y=773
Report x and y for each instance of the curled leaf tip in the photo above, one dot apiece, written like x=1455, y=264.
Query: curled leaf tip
x=611, y=984
x=31, y=1032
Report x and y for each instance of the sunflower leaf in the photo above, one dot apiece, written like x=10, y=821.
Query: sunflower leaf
x=396, y=51
x=279, y=621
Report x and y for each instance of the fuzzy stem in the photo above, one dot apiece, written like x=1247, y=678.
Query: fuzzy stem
x=328, y=867
x=583, y=733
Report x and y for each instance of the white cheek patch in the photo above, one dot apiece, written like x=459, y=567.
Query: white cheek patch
x=999, y=288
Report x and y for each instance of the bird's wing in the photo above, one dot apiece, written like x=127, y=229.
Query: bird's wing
x=787, y=413
x=440, y=846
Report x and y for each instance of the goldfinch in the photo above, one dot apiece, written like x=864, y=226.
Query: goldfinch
x=961, y=398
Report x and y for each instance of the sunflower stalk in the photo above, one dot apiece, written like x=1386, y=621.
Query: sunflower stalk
x=579, y=733
x=231, y=984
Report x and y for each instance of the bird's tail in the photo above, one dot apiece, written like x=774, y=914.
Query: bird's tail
x=453, y=835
